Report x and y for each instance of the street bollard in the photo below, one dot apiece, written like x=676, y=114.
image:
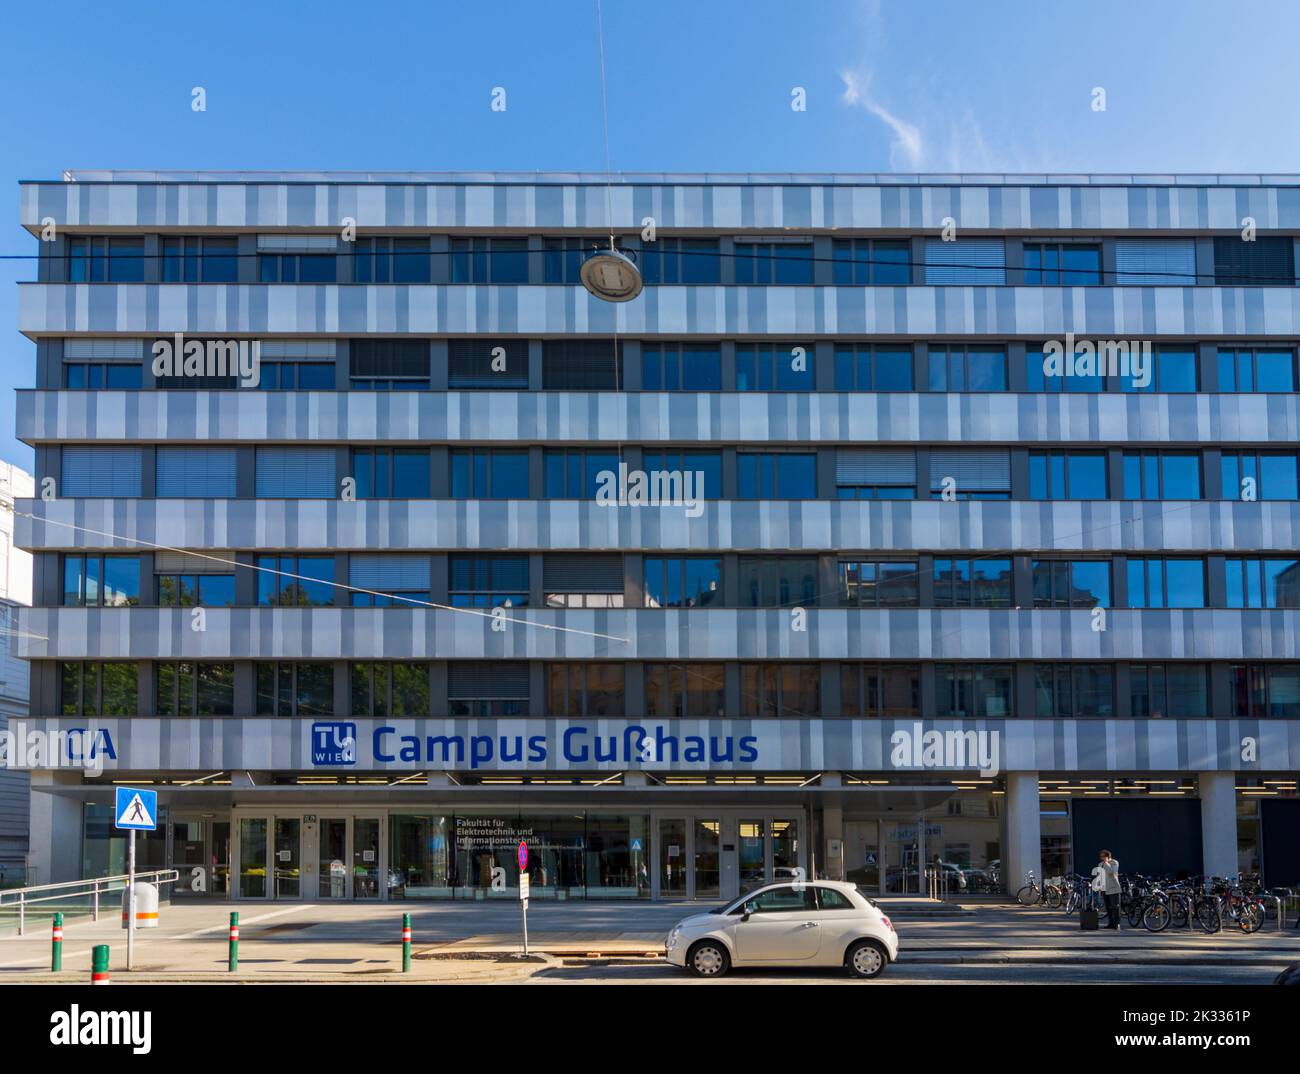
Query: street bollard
x=99, y=964
x=406, y=943
x=56, y=947
x=234, y=940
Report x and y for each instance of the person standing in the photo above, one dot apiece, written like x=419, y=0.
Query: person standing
x=1107, y=881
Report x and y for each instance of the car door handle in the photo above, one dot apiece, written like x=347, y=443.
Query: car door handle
x=810, y=924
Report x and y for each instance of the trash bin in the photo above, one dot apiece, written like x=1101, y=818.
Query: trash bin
x=146, y=906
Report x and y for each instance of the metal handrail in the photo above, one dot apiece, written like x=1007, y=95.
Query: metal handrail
x=65, y=890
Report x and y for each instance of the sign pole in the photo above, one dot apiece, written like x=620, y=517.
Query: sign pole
x=523, y=890
x=130, y=901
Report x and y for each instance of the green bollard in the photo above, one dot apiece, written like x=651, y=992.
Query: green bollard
x=234, y=940
x=406, y=943
x=56, y=948
x=99, y=964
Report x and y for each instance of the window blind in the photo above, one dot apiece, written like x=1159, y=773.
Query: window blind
x=487, y=679
x=297, y=473
x=1140, y=262
x=974, y=471
x=582, y=574
x=875, y=467
x=100, y=471
x=965, y=261
x=201, y=472
x=391, y=573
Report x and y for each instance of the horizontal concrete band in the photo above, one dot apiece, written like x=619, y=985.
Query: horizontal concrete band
x=649, y=634
x=491, y=200
x=265, y=310
x=889, y=527
x=214, y=745
x=252, y=416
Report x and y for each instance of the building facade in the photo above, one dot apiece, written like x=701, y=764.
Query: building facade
x=901, y=521
x=15, y=591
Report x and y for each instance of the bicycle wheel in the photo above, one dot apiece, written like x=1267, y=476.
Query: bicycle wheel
x=1156, y=916
x=1137, y=909
x=1028, y=895
x=1207, y=915
x=1052, y=897
x=1251, y=918
x=1178, y=911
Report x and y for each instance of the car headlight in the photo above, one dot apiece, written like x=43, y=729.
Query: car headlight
x=672, y=937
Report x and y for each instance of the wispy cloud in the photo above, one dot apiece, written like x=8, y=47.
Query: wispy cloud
x=906, y=144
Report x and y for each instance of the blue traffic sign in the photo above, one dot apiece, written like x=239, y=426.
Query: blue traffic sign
x=136, y=810
x=523, y=857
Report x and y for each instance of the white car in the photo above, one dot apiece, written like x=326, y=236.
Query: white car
x=813, y=923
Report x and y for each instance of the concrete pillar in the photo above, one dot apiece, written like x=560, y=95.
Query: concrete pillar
x=1023, y=850
x=54, y=844
x=1218, y=823
x=831, y=863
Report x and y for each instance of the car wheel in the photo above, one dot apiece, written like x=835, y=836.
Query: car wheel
x=708, y=958
x=866, y=959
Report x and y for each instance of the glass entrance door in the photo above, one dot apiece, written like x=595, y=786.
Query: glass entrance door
x=287, y=863
x=190, y=842
x=365, y=858
x=332, y=867
x=708, y=875
x=253, y=857
x=672, y=859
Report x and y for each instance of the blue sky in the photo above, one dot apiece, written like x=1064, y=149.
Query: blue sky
x=693, y=86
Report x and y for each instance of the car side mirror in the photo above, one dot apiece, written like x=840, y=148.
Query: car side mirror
x=747, y=911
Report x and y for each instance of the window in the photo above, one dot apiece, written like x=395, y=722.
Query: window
x=199, y=259
x=195, y=472
x=1071, y=583
x=777, y=581
x=212, y=356
x=1145, y=262
x=1068, y=264
x=685, y=261
x=972, y=583
x=383, y=690
x=1262, y=261
x=1166, y=583
x=188, y=689
x=777, y=477
x=296, y=267
x=1178, y=691
x=90, y=688
x=580, y=365
x=296, y=473
x=885, y=691
x=775, y=367
x=1256, y=370
x=975, y=475
x=680, y=367
x=298, y=365
x=780, y=690
x=574, y=473
x=1264, y=691
x=966, y=262
x=97, y=259
x=974, y=691
x=875, y=474
x=583, y=581
x=1269, y=475
x=92, y=376
x=389, y=365
x=484, y=689
x=682, y=582
x=1162, y=475
x=396, y=473
x=1263, y=583
x=489, y=260
x=1067, y=691
x=1084, y=372
x=487, y=363
x=872, y=262
x=880, y=583
x=693, y=691
x=704, y=468
x=955, y=368
x=295, y=689
x=101, y=470
x=584, y=690
x=487, y=474
x=864, y=367
x=781, y=901
x=1168, y=371
x=564, y=257
x=390, y=260
x=101, y=581
x=289, y=581
x=390, y=579
x=1067, y=475
x=488, y=581
x=196, y=590
x=766, y=263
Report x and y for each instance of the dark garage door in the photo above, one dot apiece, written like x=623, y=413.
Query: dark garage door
x=1152, y=837
x=1281, y=842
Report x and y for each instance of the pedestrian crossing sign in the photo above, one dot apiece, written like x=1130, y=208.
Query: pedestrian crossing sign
x=136, y=810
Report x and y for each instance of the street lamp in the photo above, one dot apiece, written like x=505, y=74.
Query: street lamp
x=610, y=274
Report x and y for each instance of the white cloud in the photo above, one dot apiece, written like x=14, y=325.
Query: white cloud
x=906, y=143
